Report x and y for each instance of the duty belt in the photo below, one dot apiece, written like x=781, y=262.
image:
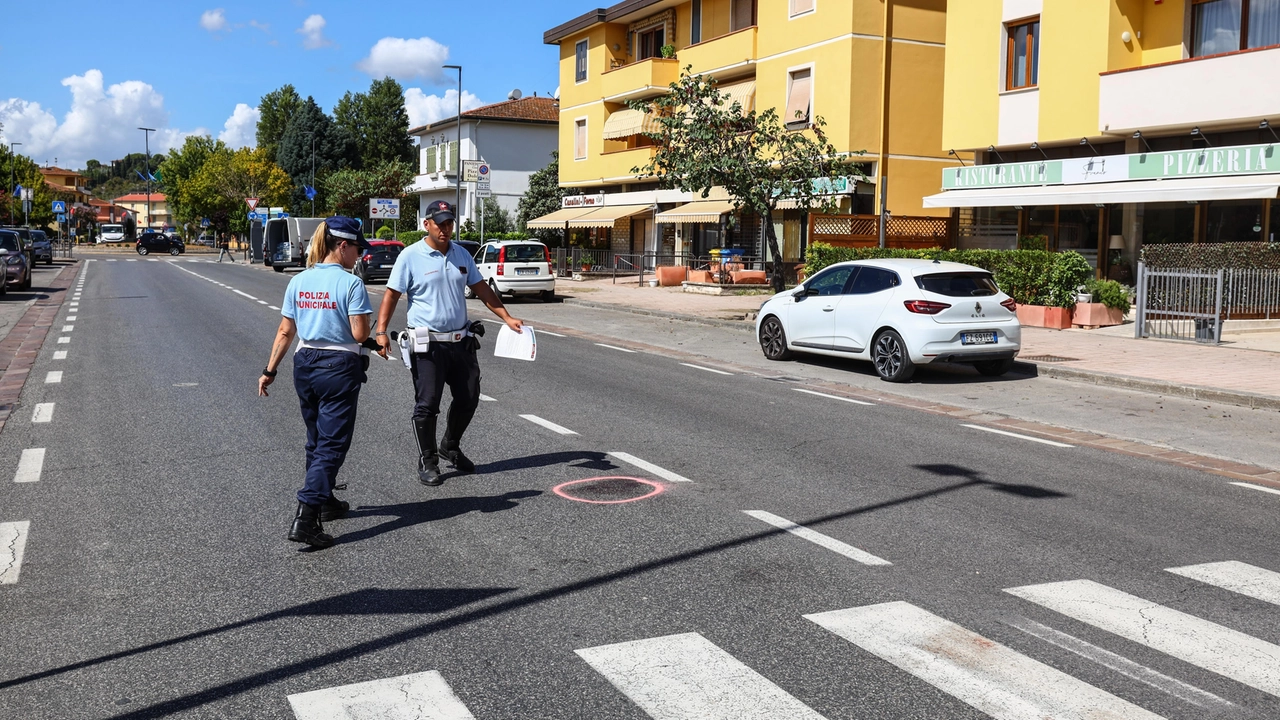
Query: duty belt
x=445, y=337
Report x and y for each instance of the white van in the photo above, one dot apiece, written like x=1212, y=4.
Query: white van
x=110, y=233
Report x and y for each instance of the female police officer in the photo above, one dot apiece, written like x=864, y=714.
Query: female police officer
x=329, y=309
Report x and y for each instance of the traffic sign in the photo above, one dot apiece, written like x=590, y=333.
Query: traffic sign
x=483, y=171
x=252, y=203
x=483, y=188
x=253, y=216
x=59, y=207
x=386, y=209
x=204, y=222
x=60, y=217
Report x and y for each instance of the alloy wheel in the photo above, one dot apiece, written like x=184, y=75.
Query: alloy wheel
x=773, y=339
x=888, y=355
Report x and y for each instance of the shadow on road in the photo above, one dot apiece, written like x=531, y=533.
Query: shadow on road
x=409, y=514
x=940, y=374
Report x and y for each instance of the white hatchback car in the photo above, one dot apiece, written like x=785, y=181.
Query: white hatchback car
x=517, y=267
x=897, y=313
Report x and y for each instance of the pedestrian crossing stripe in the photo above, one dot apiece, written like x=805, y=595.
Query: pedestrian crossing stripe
x=420, y=696
x=1255, y=582
x=13, y=543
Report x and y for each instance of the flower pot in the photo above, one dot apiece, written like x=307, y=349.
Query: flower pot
x=1096, y=315
x=1056, y=318
x=1042, y=316
x=670, y=275
x=1031, y=315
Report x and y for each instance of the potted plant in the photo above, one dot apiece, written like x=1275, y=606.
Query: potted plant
x=1112, y=304
x=667, y=51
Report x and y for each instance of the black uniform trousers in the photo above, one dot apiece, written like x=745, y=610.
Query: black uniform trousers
x=453, y=364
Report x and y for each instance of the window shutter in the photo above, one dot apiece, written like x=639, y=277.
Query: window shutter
x=798, y=98
x=452, y=163
x=429, y=160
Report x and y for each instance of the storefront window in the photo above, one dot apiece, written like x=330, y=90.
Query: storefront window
x=1233, y=221
x=1168, y=223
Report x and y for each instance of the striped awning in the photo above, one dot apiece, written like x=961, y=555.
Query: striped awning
x=558, y=218
x=701, y=211
x=608, y=215
x=743, y=93
x=628, y=122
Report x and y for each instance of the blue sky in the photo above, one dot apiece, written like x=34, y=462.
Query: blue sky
x=185, y=67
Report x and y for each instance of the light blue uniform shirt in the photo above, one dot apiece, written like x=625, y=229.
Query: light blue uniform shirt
x=433, y=282
x=320, y=299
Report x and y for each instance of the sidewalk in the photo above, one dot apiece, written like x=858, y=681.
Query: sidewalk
x=1244, y=370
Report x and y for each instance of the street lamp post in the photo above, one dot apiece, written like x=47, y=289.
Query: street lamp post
x=458, y=172
x=146, y=134
x=13, y=161
x=313, y=172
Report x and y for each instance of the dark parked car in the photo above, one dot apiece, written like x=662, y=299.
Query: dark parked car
x=41, y=247
x=154, y=242
x=17, y=271
x=376, y=264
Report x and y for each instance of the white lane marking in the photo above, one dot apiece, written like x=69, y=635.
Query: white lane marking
x=679, y=677
x=192, y=260
x=548, y=425
x=75, y=304
x=648, y=467
x=832, y=397
x=43, y=413
x=68, y=328
x=30, y=466
x=548, y=332
x=710, y=370
x=615, y=347
x=986, y=675
x=1255, y=582
x=1119, y=663
x=13, y=541
x=262, y=302
x=1016, y=435
x=424, y=695
x=1205, y=644
x=1251, y=486
x=152, y=260
x=817, y=538
x=59, y=354
x=53, y=376
x=92, y=260
x=273, y=307
x=132, y=260
x=244, y=294
x=71, y=318
x=486, y=398
x=111, y=260
x=64, y=340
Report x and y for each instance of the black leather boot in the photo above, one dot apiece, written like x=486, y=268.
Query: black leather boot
x=307, y=528
x=333, y=509
x=450, y=451
x=424, y=431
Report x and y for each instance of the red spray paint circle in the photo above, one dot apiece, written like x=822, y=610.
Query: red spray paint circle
x=607, y=485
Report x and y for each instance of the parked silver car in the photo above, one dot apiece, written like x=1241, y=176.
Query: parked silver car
x=17, y=269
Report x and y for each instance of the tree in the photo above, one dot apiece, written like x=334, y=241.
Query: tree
x=180, y=171
x=27, y=174
x=542, y=198
x=349, y=190
x=378, y=122
x=275, y=110
x=704, y=140
x=496, y=218
x=226, y=178
x=334, y=150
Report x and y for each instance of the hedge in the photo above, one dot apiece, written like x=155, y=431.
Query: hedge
x=493, y=236
x=409, y=237
x=1211, y=256
x=1030, y=277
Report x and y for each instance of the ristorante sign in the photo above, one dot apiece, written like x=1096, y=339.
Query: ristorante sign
x=1201, y=162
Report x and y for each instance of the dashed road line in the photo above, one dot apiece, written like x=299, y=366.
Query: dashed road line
x=43, y=413
x=649, y=467
x=615, y=347
x=68, y=328
x=59, y=354
x=548, y=425
x=1251, y=486
x=53, y=376
x=30, y=466
x=243, y=294
x=71, y=318
x=64, y=340
x=710, y=370
x=13, y=541
x=486, y=398
x=832, y=397
x=817, y=538
x=262, y=302
x=273, y=307
x=1017, y=435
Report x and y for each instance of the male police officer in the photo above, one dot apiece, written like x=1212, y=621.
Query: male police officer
x=433, y=273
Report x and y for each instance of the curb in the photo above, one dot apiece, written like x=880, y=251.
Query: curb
x=1161, y=387
x=742, y=325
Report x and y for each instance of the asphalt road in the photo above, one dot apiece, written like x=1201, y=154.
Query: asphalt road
x=957, y=573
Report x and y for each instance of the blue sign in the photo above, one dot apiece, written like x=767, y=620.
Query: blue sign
x=309, y=191
x=61, y=218
x=204, y=222
x=59, y=207
x=253, y=217
x=282, y=215
x=17, y=190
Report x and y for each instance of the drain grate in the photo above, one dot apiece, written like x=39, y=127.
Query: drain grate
x=1047, y=358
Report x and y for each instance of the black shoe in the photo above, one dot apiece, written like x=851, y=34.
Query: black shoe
x=424, y=432
x=307, y=528
x=459, y=461
x=429, y=471
x=334, y=509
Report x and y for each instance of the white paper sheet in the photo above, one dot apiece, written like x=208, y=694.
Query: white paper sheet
x=517, y=345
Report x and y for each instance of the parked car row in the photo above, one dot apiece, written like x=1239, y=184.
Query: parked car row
x=17, y=266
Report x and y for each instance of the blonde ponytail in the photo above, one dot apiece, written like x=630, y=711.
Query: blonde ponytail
x=319, y=248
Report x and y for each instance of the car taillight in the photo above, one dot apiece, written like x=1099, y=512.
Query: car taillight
x=546, y=252
x=1010, y=304
x=367, y=257
x=500, y=268
x=502, y=255
x=925, y=307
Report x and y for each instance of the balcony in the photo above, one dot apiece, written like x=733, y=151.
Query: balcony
x=646, y=78
x=1185, y=93
x=728, y=55
x=610, y=167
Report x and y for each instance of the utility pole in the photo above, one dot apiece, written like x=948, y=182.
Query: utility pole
x=458, y=170
x=313, y=171
x=13, y=161
x=146, y=134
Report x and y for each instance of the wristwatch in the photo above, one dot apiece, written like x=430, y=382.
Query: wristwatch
x=270, y=373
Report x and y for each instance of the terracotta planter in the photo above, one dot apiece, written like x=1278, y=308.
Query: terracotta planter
x=1031, y=315
x=1046, y=317
x=749, y=277
x=671, y=275
x=1096, y=314
x=699, y=276
x=1056, y=318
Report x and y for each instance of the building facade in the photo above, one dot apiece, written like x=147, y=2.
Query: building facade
x=136, y=205
x=1102, y=125
x=806, y=58
x=516, y=138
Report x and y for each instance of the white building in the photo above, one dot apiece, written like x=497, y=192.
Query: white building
x=515, y=137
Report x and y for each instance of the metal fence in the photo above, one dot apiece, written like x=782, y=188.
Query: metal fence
x=1251, y=294
x=1179, y=304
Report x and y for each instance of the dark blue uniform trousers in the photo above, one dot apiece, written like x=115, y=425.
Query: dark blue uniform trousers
x=455, y=365
x=328, y=385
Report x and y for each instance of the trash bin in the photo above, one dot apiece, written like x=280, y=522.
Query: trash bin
x=1206, y=328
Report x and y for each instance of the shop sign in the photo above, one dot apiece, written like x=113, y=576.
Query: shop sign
x=1241, y=160
x=1045, y=172
x=577, y=201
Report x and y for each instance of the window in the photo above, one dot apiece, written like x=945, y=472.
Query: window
x=872, y=280
x=1220, y=26
x=695, y=23
x=490, y=254
x=800, y=7
x=580, y=139
x=958, y=284
x=743, y=15
x=1022, y=54
x=831, y=282
x=651, y=42
x=799, y=98
x=580, y=61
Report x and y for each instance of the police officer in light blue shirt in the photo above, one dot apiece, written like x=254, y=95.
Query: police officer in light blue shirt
x=432, y=273
x=328, y=309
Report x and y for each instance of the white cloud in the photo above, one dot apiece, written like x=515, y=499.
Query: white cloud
x=264, y=27
x=213, y=20
x=241, y=129
x=405, y=59
x=425, y=109
x=102, y=123
x=312, y=31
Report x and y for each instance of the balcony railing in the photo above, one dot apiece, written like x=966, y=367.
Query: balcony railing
x=724, y=55
x=636, y=80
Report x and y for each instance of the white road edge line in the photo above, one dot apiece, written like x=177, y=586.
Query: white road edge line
x=832, y=397
x=13, y=541
x=539, y=330
x=615, y=347
x=817, y=538
x=30, y=466
x=711, y=370
x=243, y=294
x=53, y=376
x=1251, y=486
x=1016, y=435
x=548, y=425
x=648, y=467
x=43, y=413
x=273, y=307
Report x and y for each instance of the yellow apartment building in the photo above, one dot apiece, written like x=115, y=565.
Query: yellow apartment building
x=806, y=58
x=1106, y=124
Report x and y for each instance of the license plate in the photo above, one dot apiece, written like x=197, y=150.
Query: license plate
x=978, y=338
x=527, y=271
x=386, y=266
